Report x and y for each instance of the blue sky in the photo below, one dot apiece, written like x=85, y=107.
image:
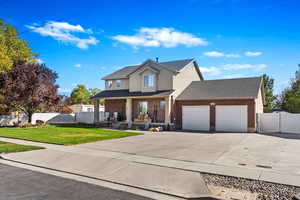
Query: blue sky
x=85, y=40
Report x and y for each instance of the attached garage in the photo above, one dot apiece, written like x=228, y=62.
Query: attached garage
x=227, y=105
x=195, y=118
x=231, y=118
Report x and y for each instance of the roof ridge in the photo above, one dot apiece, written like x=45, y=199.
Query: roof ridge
x=250, y=77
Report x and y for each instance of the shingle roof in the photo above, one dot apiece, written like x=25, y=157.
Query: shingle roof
x=122, y=73
x=125, y=71
x=176, y=65
x=222, y=89
x=126, y=93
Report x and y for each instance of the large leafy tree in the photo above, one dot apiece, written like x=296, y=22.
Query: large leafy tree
x=93, y=92
x=290, y=98
x=12, y=48
x=268, y=89
x=80, y=94
x=29, y=87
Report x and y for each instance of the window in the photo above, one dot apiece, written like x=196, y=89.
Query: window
x=162, y=105
x=149, y=80
x=143, y=107
x=118, y=83
x=109, y=84
x=90, y=109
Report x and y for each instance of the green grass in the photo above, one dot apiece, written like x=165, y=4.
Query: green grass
x=64, y=134
x=6, y=147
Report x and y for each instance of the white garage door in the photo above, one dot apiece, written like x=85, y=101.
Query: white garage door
x=195, y=118
x=231, y=118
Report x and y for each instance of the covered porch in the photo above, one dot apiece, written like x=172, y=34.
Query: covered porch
x=135, y=110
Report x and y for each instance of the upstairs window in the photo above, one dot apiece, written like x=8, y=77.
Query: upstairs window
x=149, y=80
x=109, y=84
x=118, y=83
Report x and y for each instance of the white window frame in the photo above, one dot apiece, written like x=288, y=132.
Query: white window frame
x=109, y=84
x=118, y=83
x=149, y=82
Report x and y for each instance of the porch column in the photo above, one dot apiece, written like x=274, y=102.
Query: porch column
x=167, y=110
x=96, y=112
x=129, y=110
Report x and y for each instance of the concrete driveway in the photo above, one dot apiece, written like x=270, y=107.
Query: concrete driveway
x=279, y=152
x=170, y=162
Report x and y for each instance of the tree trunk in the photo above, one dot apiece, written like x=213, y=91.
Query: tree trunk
x=30, y=117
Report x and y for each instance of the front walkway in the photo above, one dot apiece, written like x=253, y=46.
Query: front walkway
x=169, y=162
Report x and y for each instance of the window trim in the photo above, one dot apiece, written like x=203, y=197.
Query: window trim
x=139, y=106
x=148, y=80
x=109, y=84
x=162, y=104
x=118, y=83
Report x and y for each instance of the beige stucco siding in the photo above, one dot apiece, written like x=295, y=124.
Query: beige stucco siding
x=259, y=106
x=124, y=85
x=163, y=80
x=184, y=78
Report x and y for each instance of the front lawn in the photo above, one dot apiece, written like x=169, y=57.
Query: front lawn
x=63, y=134
x=6, y=147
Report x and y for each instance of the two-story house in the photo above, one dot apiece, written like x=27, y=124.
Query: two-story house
x=175, y=92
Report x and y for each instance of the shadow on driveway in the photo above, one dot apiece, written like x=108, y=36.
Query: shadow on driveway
x=293, y=136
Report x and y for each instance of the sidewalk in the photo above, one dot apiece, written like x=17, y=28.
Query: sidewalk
x=268, y=175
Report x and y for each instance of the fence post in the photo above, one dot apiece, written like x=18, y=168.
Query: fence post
x=280, y=131
x=258, y=122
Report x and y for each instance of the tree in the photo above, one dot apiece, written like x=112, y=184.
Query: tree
x=290, y=98
x=93, y=92
x=80, y=94
x=268, y=89
x=12, y=48
x=29, y=87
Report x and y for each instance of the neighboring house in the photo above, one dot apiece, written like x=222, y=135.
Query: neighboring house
x=176, y=93
x=84, y=108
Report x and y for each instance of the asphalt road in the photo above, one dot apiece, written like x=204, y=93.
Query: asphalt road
x=22, y=184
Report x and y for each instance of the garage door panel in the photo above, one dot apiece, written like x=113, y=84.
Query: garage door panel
x=232, y=118
x=195, y=118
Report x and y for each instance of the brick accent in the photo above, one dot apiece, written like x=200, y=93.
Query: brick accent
x=249, y=102
x=116, y=105
x=152, y=103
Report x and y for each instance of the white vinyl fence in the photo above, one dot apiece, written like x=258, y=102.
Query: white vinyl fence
x=10, y=120
x=51, y=118
x=279, y=122
x=87, y=117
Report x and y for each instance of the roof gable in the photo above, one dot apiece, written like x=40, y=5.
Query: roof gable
x=173, y=66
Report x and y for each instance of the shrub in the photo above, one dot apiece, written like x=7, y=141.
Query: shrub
x=38, y=122
x=123, y=127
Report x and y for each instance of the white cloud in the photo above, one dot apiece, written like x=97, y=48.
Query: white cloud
x=214, y=71
x=244, y=66
x=251, y=54
x=77, y=65
x=62, y=31
x=233, y=76
x=155, y=37
x=40, y=61
x=220, y=54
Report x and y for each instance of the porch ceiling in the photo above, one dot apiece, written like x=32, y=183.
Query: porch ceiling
x=126, y=93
